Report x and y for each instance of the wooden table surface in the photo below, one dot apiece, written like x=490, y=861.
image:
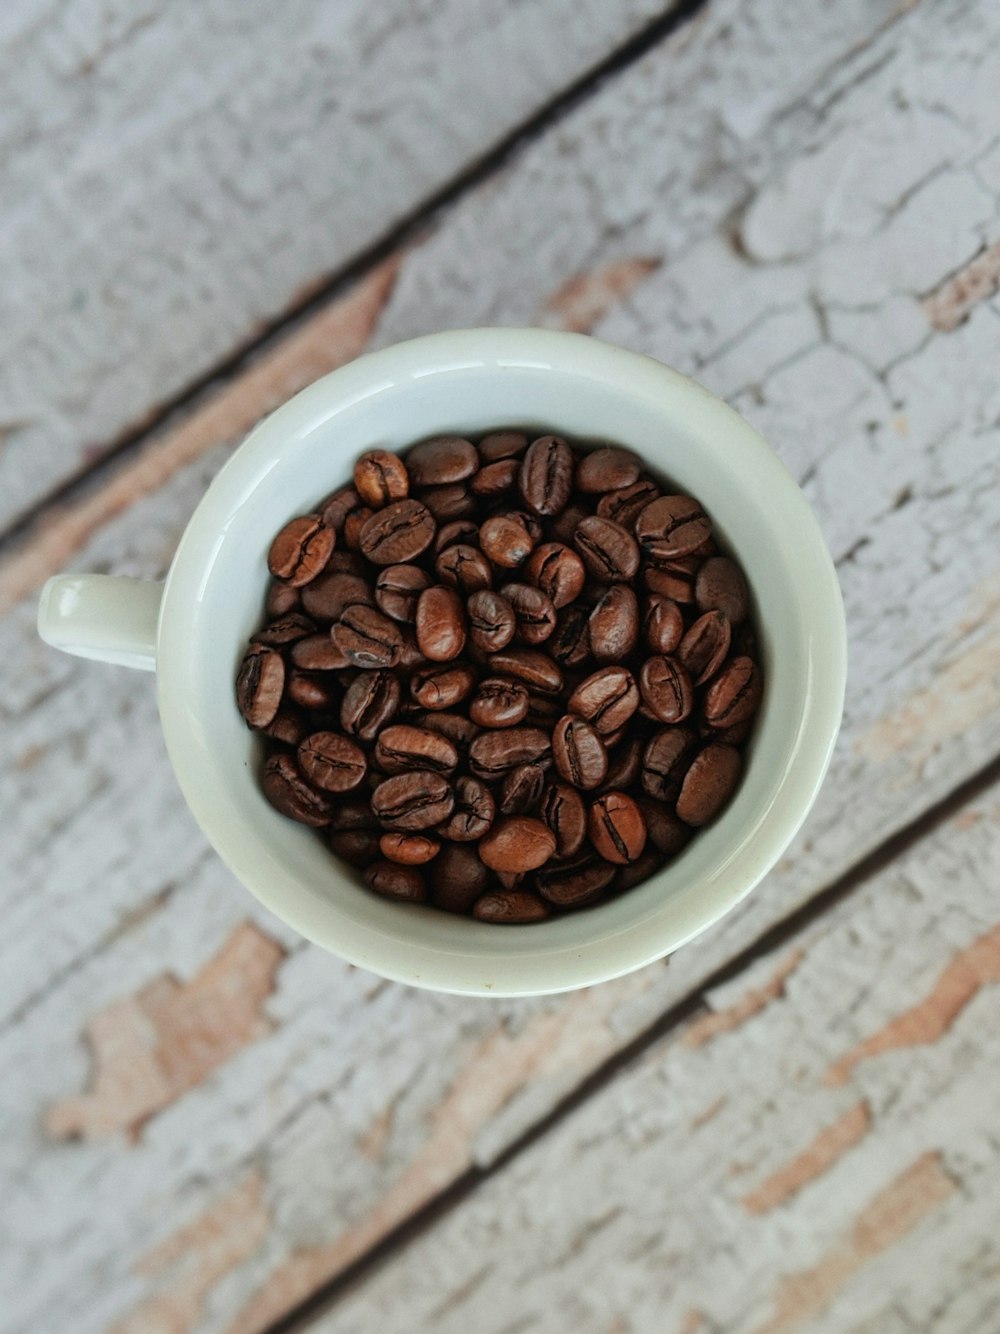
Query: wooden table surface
x=209, y=1125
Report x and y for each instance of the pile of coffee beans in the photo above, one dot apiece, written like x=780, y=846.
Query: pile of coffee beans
x=509, y=678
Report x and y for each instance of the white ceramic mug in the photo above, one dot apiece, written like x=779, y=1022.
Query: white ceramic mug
x=192, y=630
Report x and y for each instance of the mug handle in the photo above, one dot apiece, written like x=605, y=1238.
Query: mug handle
x=101, y=616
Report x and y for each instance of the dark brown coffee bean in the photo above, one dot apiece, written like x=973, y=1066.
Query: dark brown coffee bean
x=343, y=561
x=491, y=621
x=732, y=736
x=609, y=551
x=535, y=669
x=459, y=530
x=447, y=504
x=565, y=814
x=578, y=753
x=607, y=469
x=474, y=812
x=665, y=759
x=735, y=694
x=317, y=653
x=624, y=762
x=557, y=571
x=561, y=527
x=368, y=637
x=353, y=813
x=664, y=624
x=646, y=866
x=284, y=630
x=703, y=649
x=442, y=461
x=496, y=479
x=288, y=726
x=575, y=883
x=452, y=725
x=626, y=504
x=410, y=657
x=402, y=747
x=457, y=877
x=465, y=568
x=281, y=600
x=380, y=478
x=300, y=550
x=440, y=623
x=521, y=790
x=404, y=883
x=674, y=580
x=369, y=702
x=398, y=533
x=354, y=526
x=613, y=627
x=315, y=692
x=666, y=689
x=668, y=834
x=570, y=643
x=328, y=597
x=332, y=762
x=336, y=507
x=617, y=828
x=398, y=589
x=499, y=703
x=413, y=801
x=511, y=879
x=492, y=753
x=672, y=526
x=543, y=711
x=358, y=847
x=517, y=843
x=289, y=793
x=607, y=699
x=708, y=784
x=502, y=445
x=442, y=686
x=721, y=586
x=546, y=476
x=260, y=684
x=506, y=540
x=409, y=849
x=534, y=613
x=510, y=907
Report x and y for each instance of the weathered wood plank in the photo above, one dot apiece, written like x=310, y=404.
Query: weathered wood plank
x=364, y=1101
x=826, y=1163
x=173, y=178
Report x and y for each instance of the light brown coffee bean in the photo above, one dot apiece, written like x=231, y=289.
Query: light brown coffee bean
x=517, y=843
x=413, y=801
x=288, y=792
x=735, y=694
x=664, y=623
x=578, y=753
x=672, y=526
x=703, y=649
x=442, y=461
x=409, y=849
x=402, y=747
x=721, y=586
x=318, y=653
x=442, y=686
x=397, y=534
x=535, y=669
x=505, y=539
x=495, y=479
x=613, y=627
x=354, y=526
x=440, y=623
x=300, y=551
x=666, y=689
x=557, y=571
x=617, y=828
x=336, y=507
x=260, y=684
x=606, y=699
x=510, y=907
x=708, y=784
x=499, y=703
x=281, y=599
x=288, y=726
x=502, y=445
x=367, y=637
x=380, y=478
x=406, y=884
x=493, y=752
x=465, y=568
x=332, y=762
x=606, y=469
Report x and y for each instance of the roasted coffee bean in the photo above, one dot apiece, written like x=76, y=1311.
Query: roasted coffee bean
x=315, y=692
x=353, y=813
x=624, y=763
x=440, y=623
x=666, y=689
x=465, y=568
x=511, y=879
x=609, y=551
x=575, y=883
x=281, y=600
x=502, y=445
x=543, y=711
x=404, y=883
x=534, y=613
x=557, y=571
x=732, y=736
x=452, y=725
x=458, y=530
x=663, y=626
x=496, y=479
x=510, y=907
x=402, y=747
x=441, y=461
x=413, y=801
x=535, y=669
x=570, y=643
x=491, y=621
x=607, y=469
x=354, y=526
x=735, y=694
x=369, y=702
x=442, y=686
x=358, y=847
x=288, y=726
x=626, y=504
x=317, y=653
x=289, y=793
x=457, y=877
x=579, y=753
x=336, y=507
x=473, y=814
x=331, y=761
x=380, y=478
x=260, y=684
x=641, y=869
x=300, y=550
x=398, y=589
x=346, y=562
x=521, y=790
x=664, y=762
x=561, y=527
x=703, y=649
x=672, y=526
x=546, y=476
x=517, y=843
x=666, y=832
x=721, y=586
x=284, y=630
x=499, y=703
x=505, y=539
x=493, y=752
x=398, y=533
x=409, y=849
x=410, y=657
x=606, y=699
x=617, y=828
x=328, y=597
x=563, y=811
x=708, y=784
x=447, y=504
x=674, y=579
x=613, y=626
x=368, y=637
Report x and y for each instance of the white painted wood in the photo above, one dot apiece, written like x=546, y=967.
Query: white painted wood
x=364, y=1100
x=173, y=176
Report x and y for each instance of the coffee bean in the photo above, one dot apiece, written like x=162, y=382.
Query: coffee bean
x=511, y=879
x=609, y=551
x=721, y=586
x=398, y=589
x=557, y=571
x=402, y=747
x=546, y=476
x=354, y=526
x=666, y=832
x=343, y=561
x=499, y=703
x=607, y=699
x=666, y=689
x=440, y=623
x=502, y=445
x=369, y=702
x=565, y=814
x=353, y=813
x=452, y=725
x=708, y=784
x=491, y=621
x=336, y=507
x=300, y=550
x=517, y=843
x=534, y=613
x=617, y=828
x=328, y=597
x=535, y=669
x=493, y=752
x=358, y=847
x=561, y=527
x=442, y=686
x=284, y=630
x=315, y=692
x=643, y=868
x=458, y=530
x=510, y=907
x=624, y=763
x=413, y=801
x=543, y=710
x=409, y=849
x=674, y=579
x=578, y=753
x=441, y=461
x=607, y=469
x=575, y=883
x=735, y=694
x=626, y=504
x=404, y=883
x=505, y=539
x=368, y=637
x=289, y=793
x=463, y=567
x=317, y=653
x=672, y=526
x=473, y=814
x=281, y=599
x=570, y=643
x=380, y=478
x=664, y=762
x=331, y=761
x=457, y=877
x=260, y=684
x=663, y=626
x=447, y=504
x=703, y=649
x=398, y=533
x=521, y=790
x=410, y=657
x=288, y=726
x=613, y=627
x=496, y=479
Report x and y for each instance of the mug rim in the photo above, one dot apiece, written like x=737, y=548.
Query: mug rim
x=563, y=967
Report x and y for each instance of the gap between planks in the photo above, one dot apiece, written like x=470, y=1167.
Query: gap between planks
x=298, y=1320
